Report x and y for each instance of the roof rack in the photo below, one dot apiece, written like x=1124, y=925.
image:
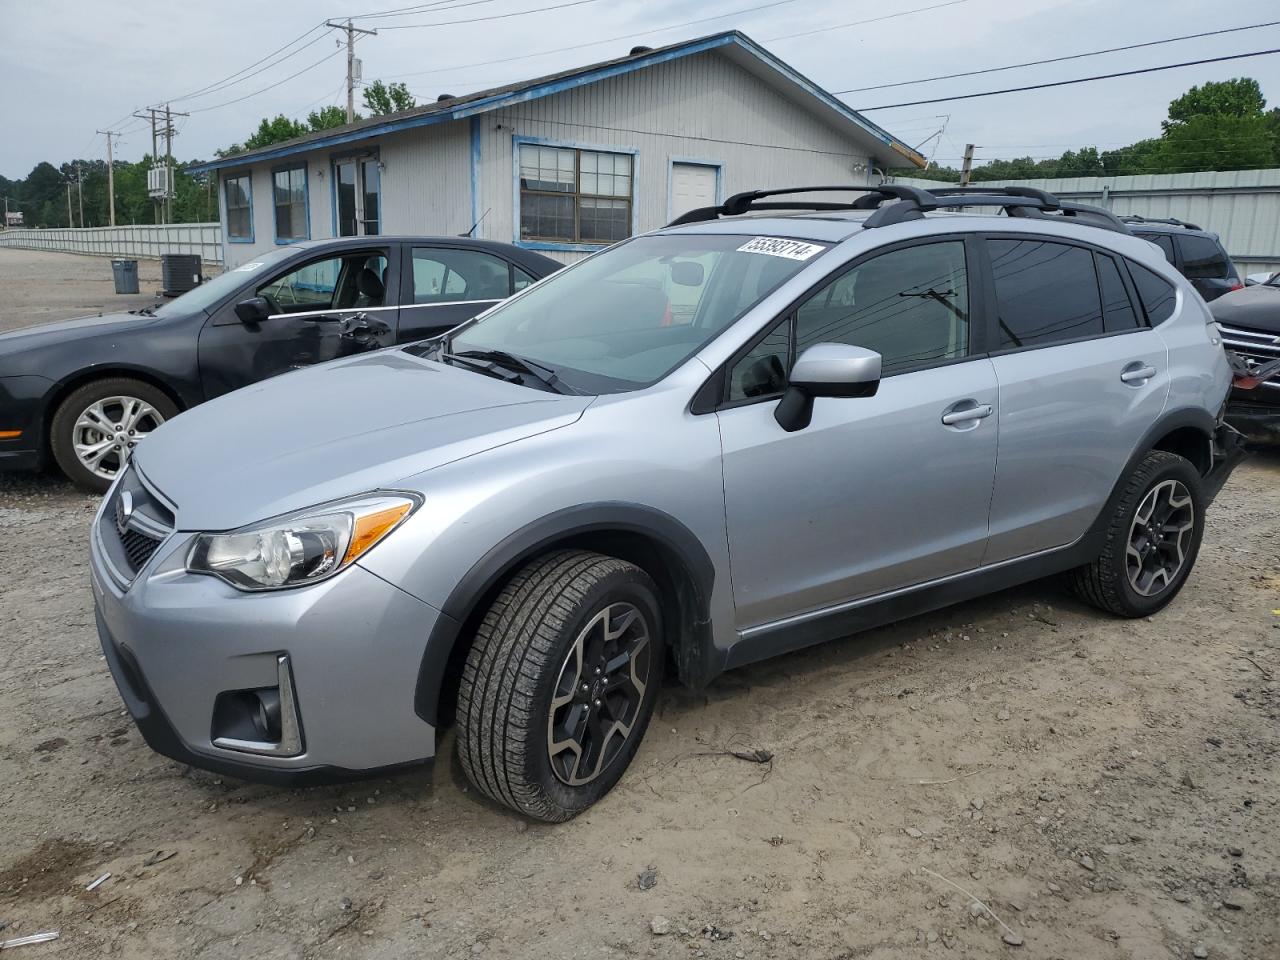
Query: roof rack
x=1134, y=218
x=914, y=203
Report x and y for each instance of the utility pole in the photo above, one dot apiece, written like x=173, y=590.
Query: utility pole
x=168, y=159
x=80, y=191
x=351, y=62
x=70, y=221
x=151, y=115
x=967, y=168
x=111, y=177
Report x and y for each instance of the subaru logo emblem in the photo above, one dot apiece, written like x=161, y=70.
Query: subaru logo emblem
x=124, y=510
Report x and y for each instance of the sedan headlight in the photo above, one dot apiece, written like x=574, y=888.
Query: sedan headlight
x=303, y=547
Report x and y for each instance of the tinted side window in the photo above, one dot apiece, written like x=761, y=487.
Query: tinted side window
x=1203, y=258
x=1045, y=292
x=442, y=275
x=1157, y=294
x=911, y=306
x=1164, y=242
x=1118, y=308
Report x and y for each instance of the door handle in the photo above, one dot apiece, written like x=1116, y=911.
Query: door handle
x=1137, y=373
x=966, y=411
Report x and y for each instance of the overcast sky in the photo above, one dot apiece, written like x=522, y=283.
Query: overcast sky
x=73, y=66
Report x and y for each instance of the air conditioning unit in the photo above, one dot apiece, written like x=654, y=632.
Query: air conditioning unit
x=160, y=181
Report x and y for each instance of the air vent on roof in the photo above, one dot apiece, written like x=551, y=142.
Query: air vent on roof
x=636, y=51
x=445, y=96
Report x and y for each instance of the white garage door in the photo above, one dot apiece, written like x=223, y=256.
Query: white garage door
x=692, y=185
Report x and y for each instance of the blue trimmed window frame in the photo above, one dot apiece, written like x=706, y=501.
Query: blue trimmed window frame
x=565, y=245
x=672, y=161
x=374, y=153
x=247, y=177
x=306, y=203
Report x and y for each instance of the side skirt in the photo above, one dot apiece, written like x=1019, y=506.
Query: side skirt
x=805, y=630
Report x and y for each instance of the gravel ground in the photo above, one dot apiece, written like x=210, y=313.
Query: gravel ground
x=1015, y=776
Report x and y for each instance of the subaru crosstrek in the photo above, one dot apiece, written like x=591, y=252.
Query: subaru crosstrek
x=724, y=440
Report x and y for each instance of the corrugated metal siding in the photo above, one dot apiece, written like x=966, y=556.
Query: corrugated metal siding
x=426, y=180
x=1241, y=206
x=702, y=107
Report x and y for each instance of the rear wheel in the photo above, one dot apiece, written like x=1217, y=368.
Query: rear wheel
x=95, y=429
x=1152, y=539
x=560, y=683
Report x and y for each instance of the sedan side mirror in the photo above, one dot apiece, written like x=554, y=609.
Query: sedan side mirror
x=826, y=370
x=254, y=310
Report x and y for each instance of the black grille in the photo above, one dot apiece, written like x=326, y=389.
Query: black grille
x=135, y=526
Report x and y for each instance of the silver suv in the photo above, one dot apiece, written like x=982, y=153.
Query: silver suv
x=714, y=443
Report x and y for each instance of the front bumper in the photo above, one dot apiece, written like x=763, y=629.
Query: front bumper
x=174, y=641
x=21, y=403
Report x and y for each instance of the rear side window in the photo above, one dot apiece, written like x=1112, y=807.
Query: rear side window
x=1164, y=242
x=1119, y=314
x=1045, y=292
x=1203, y=258
x=447, y=275
x=1157, y=294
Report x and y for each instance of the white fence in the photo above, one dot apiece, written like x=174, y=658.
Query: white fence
x=1241, y=206
x=146, y=241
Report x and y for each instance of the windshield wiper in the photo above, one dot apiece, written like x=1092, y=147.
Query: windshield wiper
x=149, y=311
x=480, y=366
x=544, y=375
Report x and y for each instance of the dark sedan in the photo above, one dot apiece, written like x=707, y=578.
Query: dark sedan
x=84, y=392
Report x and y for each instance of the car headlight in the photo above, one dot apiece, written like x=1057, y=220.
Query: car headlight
x=302, y=547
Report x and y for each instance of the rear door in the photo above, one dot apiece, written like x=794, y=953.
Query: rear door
x=308, y=301
x=1082, y=378
x=445, y=286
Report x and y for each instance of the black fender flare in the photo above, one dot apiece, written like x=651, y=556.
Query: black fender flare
x=511, y=552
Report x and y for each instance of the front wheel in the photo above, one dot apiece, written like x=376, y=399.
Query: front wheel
x=1152, y=539
x=96, y=428
x=560, y=683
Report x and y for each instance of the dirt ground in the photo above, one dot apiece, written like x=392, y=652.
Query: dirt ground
x=36, y=287
x=1106, y=789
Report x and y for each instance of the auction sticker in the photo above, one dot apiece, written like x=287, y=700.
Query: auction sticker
x=777, y=247
x=248, y=267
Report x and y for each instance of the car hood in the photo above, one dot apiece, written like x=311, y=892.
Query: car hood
x=335, y=430
x=1256, y=307
x=45, y=334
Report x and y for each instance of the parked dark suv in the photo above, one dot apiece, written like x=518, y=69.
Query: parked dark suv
x=1197, y=254
x=1250, y=323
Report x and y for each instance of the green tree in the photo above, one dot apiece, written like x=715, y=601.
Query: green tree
x=328, y=117
x=383, y=98
x=1216, y=142
x=1241, y=97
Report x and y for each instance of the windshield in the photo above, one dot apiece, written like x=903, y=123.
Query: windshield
x=629, y=315
x=212, y=292
x=1273, y=280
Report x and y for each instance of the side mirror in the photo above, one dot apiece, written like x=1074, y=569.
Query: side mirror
x=254, y=310
x=826, y=370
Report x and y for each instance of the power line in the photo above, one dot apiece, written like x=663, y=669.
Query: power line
x=496, y=16
x=1066, y=83
x=417, y=8
x=1073, y=56
x=858, y=23
x=243, y=74
x=272, y=86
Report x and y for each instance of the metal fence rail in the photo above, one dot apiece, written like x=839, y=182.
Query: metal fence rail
x=145, y=241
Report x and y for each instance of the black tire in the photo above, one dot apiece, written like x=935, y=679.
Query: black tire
x=511, y=674
x=1105, y=582
x=62, y=427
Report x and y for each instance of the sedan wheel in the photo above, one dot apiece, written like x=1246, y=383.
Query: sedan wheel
x=98, y=426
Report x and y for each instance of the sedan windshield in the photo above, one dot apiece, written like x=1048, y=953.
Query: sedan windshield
x=212, y=292
x=628, y=316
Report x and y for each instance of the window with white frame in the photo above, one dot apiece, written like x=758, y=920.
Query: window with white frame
x=237, y=191
x=574, y=196
x=289, y=186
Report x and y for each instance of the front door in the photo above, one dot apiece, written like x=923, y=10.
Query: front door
x=1082, y=378
x=445, y=286
x=358, y=185
x=308, y=302
x=880, y=492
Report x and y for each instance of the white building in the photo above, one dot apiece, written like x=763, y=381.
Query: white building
x=565, y=163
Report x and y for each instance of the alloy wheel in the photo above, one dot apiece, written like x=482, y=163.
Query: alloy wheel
x=1159, y=537
x=107, y=430
x=599, y=693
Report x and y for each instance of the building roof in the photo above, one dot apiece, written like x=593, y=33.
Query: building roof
x=883, y=147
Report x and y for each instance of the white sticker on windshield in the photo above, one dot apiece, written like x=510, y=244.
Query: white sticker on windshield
x=248, y=267
x=777, y=247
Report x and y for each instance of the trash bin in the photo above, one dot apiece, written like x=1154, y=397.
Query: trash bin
x=126, y=275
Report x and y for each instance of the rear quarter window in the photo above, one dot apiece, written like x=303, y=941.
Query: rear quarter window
x=1157, y=294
